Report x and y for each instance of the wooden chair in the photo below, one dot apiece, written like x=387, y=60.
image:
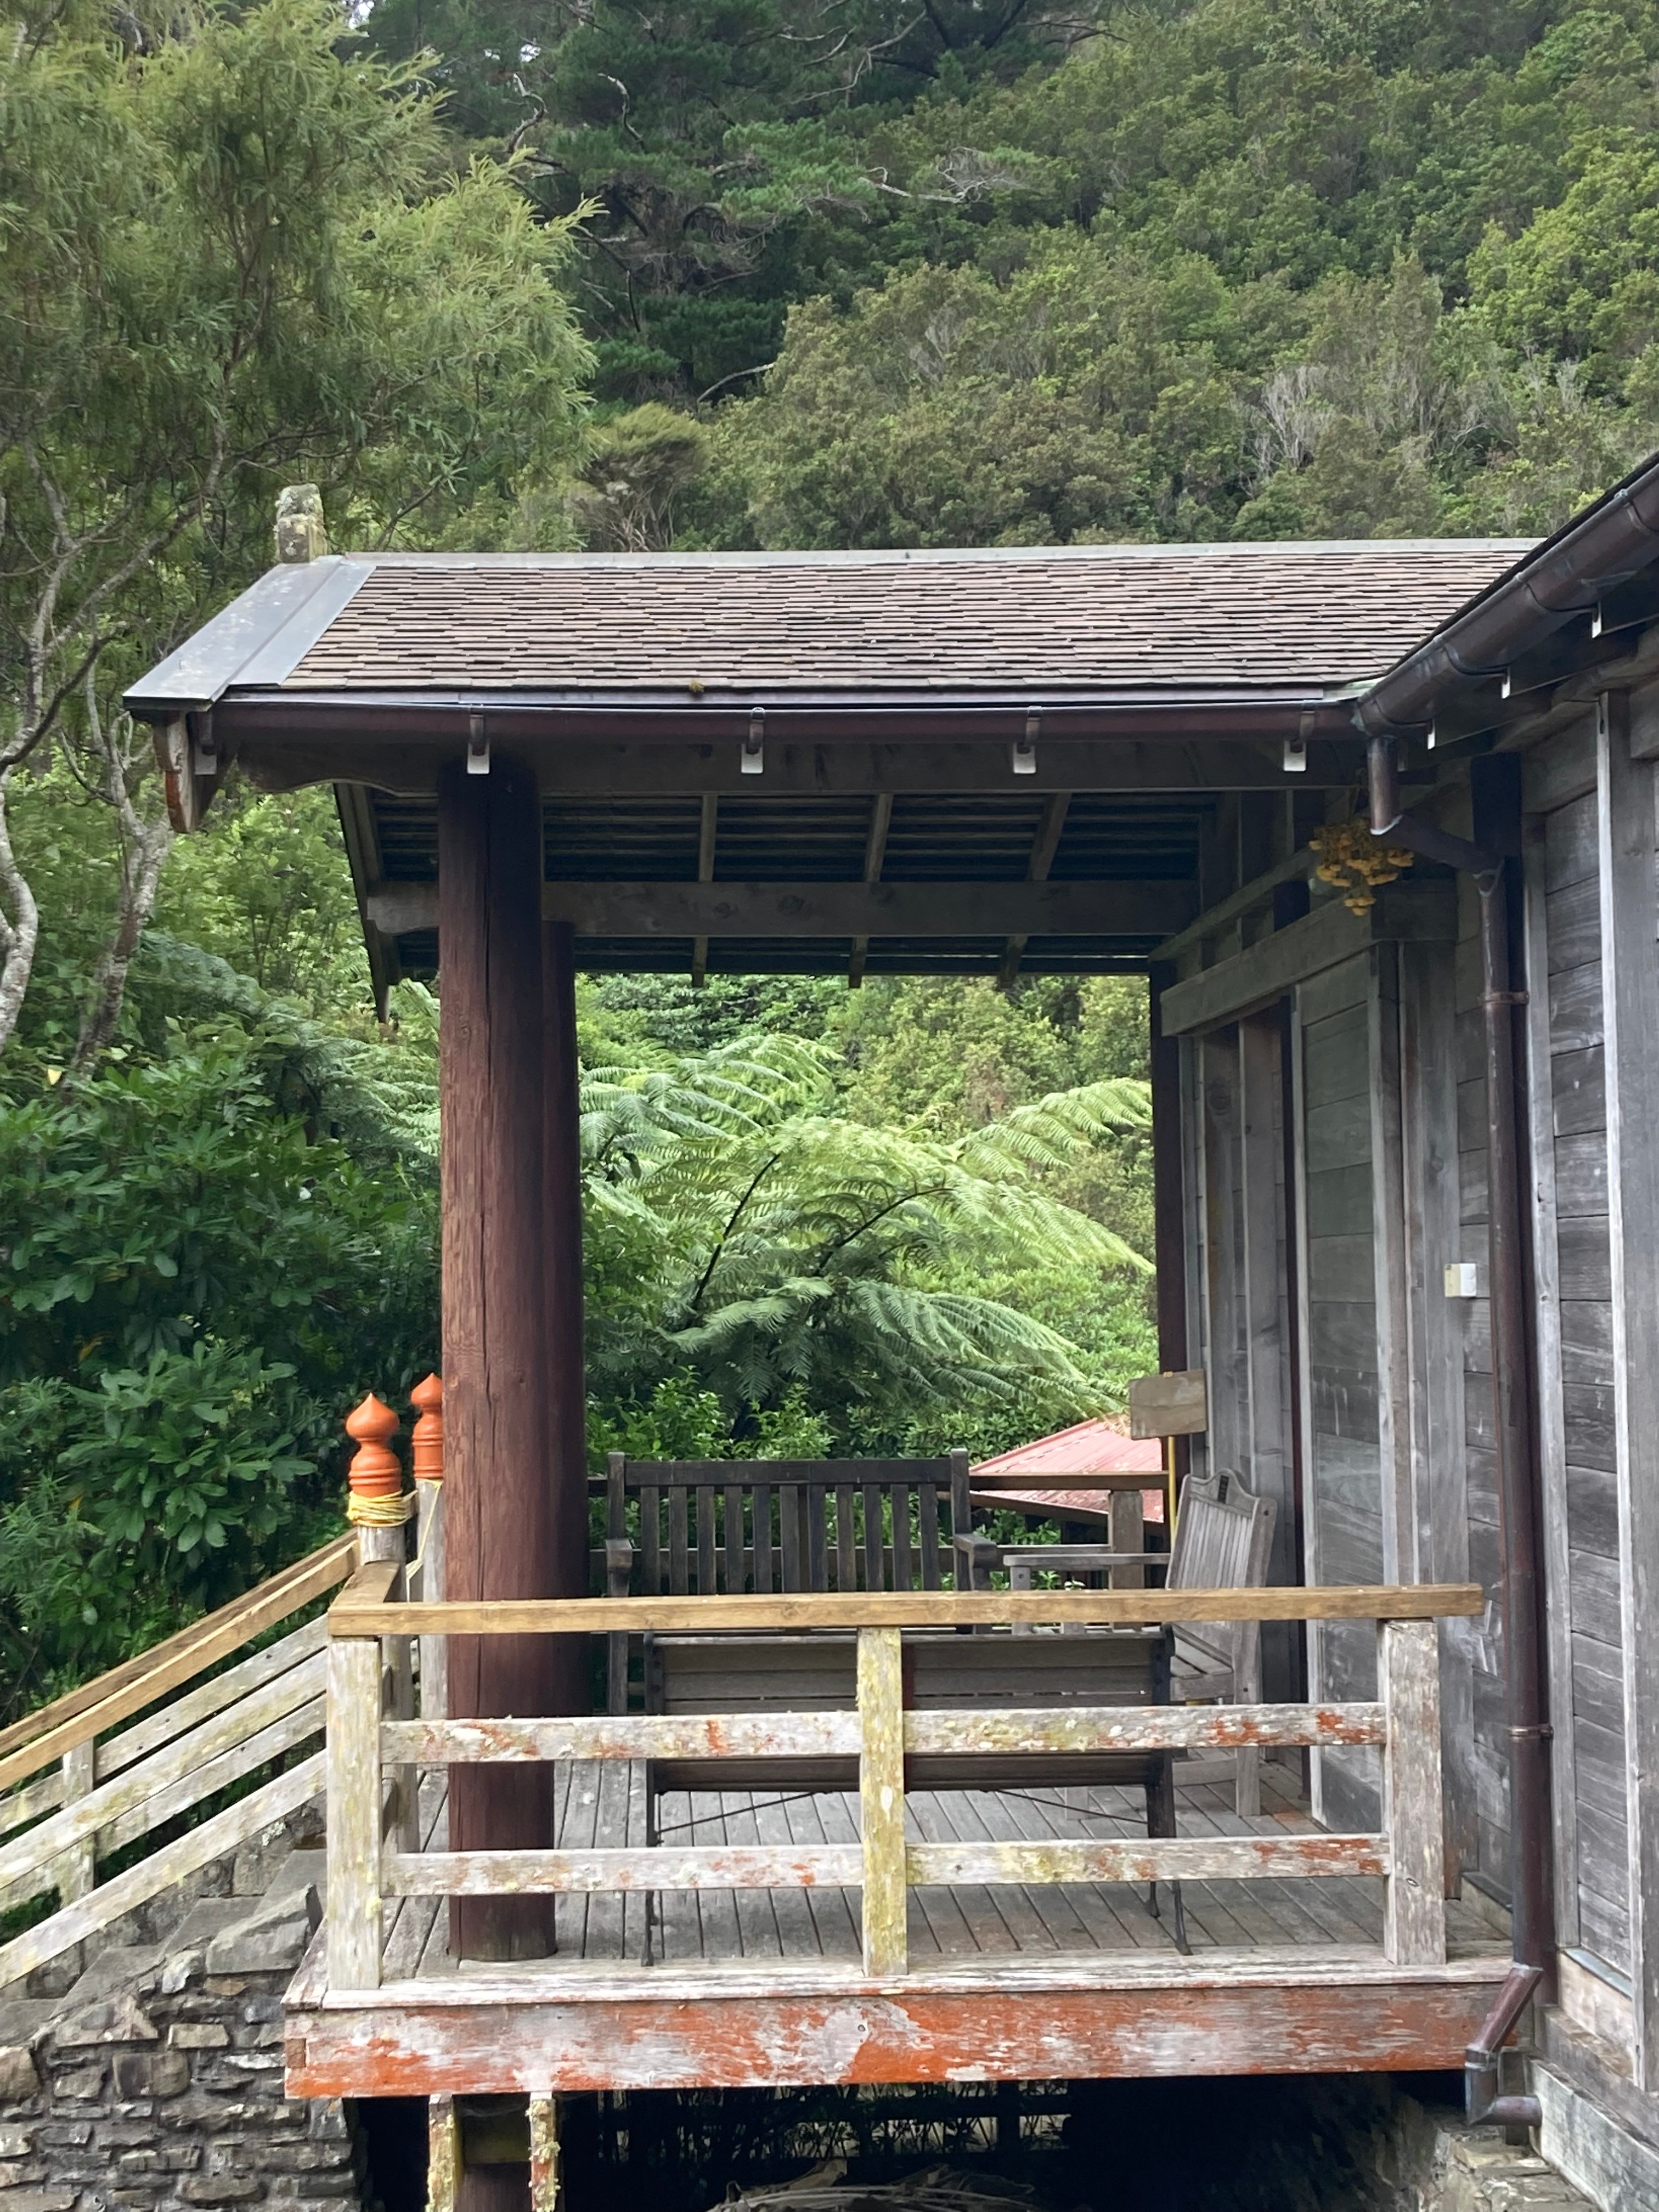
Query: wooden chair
x=685, y=1526
x=1224, y=1538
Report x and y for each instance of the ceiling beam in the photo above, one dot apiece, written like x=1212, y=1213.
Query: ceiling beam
x=580, y=766
x=1044, y=846
x=875, y=854
x=1136, y=911
x=708, y=830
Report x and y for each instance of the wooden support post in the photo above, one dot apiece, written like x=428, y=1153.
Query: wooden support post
x=544, y=2184
x=354, y=1813
x=443, y=2155
x=562, y=1260
x=499, y=1508
x=881, y=1799
x=375, y=1479
x=1267, y=1461
x=1126, y=1531
x=1408, y=1685
x=1169, y=1212
x=427, y=1454
x=76, y=1872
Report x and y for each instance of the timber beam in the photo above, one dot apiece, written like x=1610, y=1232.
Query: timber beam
x=1135, y=910
x=578, y=765
x=1414, y=912
x=1041, y=2020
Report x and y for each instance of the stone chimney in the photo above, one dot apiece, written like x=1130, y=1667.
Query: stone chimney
x=301, y=535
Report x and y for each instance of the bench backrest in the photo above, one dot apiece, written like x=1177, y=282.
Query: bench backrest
x=700, y=1527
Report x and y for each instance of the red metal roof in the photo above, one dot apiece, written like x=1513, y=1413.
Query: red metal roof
x=1089, y=1448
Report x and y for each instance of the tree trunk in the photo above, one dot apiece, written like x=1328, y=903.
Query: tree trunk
x=140, y=875
x=20, y=924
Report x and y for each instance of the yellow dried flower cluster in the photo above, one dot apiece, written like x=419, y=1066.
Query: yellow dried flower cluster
x=1349, y=855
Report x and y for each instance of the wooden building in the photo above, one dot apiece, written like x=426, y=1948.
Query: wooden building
x=1408, y=1223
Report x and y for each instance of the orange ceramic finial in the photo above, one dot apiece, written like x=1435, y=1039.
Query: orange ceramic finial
x=427, y=1437
x=375, y=1471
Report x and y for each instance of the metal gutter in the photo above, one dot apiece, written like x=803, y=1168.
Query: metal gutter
x=1567, y=575
x=1332, y=709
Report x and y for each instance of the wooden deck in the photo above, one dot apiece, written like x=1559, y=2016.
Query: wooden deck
x=767, y=1987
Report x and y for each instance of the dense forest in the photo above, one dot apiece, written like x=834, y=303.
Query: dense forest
x=730, y=273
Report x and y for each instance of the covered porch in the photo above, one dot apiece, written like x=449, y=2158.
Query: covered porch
x=1105, y=760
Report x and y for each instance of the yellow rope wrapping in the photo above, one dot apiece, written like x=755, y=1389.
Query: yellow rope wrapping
x=381, y=1512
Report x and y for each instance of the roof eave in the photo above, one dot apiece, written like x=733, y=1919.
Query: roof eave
x=1568, y=575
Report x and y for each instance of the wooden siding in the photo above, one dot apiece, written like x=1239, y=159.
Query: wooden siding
x=1343, y=1461
x=1490, y=1720
x=1577, y=1396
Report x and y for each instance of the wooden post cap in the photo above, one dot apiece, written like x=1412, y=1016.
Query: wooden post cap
x=427, y=1437
x=375, y=1470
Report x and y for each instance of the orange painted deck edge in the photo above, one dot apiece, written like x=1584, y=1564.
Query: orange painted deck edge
x=738, y=2041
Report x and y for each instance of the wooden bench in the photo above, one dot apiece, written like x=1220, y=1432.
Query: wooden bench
x=1223, y=1540
x=706, y=1526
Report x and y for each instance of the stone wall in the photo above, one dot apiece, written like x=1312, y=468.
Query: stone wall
x=156, y=2082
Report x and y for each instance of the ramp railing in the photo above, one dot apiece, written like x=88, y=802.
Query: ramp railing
x=76, y=1786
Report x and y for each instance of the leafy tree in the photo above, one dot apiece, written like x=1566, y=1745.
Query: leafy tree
x=636, y=466
x=196, y=1284
x=1581, y=282
x=231, y=255
x=768, y=1243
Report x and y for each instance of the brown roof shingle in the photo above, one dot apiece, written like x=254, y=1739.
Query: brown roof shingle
x=1199, y=618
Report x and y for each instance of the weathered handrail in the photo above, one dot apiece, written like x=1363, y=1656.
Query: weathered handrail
x=363, y=1609
x=1403, y=1721
x=110, y=1790
x=42, y=1737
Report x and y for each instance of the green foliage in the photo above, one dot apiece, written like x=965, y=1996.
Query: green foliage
x=236, y=250
x=741, y=1228
x=265, y=887
x=1193, y=271
x=196, y=1280
x=637, y=464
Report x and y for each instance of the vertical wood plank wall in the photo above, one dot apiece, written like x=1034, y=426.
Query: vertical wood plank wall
x=1626, y=798
x=1489, y=1719
x=1388, y=1114
x=1343, y=1458
x=1578, y=1396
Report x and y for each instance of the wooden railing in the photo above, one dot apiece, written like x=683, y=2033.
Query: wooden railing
x=78, y=1791
x=1402, y=1721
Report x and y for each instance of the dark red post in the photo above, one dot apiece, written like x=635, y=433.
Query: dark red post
x=500, y=1527
x=562, y=1259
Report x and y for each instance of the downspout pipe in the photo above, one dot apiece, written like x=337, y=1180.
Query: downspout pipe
x=1532, y=1936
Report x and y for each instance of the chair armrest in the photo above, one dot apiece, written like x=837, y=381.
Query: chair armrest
x=979, y=1556
x=619, y=1555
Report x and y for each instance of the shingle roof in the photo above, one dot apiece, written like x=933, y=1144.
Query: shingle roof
x=1318, y=617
